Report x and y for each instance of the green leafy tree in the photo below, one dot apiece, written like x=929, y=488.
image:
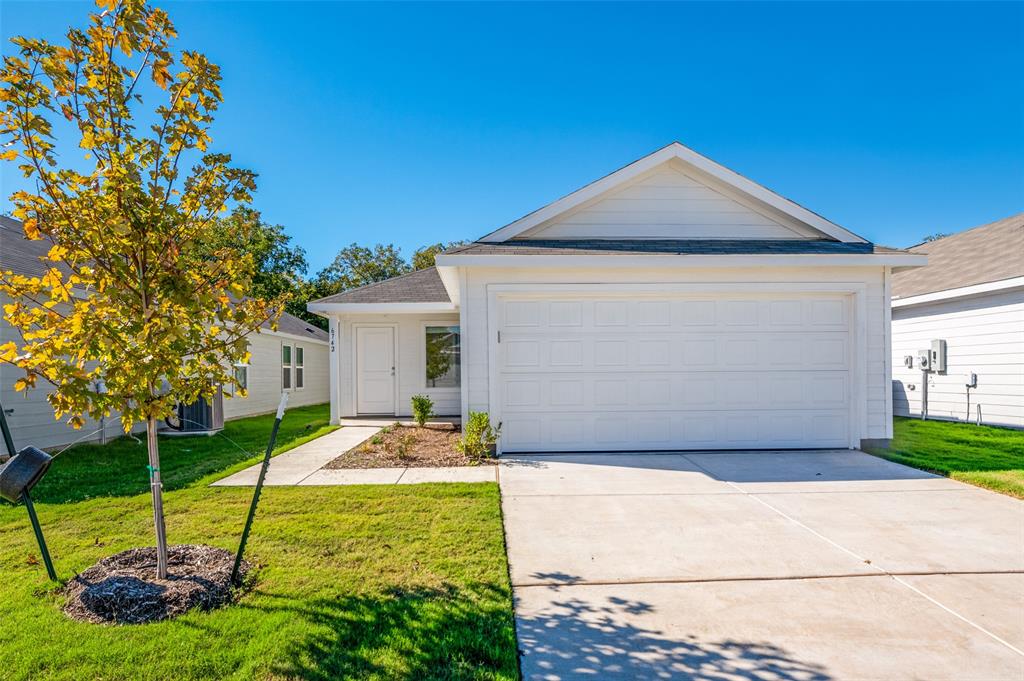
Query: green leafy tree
x=357, y=265
x=135, y=298
x=424, y=257
x=279, y=265
x=934, y=237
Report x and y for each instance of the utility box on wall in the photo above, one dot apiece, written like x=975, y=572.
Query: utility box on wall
x=937, y=357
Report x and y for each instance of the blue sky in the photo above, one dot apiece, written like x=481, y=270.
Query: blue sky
x=415, y=123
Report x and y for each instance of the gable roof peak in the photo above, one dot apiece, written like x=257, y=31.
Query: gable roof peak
x=701, y=166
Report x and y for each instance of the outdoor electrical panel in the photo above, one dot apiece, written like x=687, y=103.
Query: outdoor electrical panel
x=938, y=356
x=908, y=361
x=924, y=360
x=972, y=380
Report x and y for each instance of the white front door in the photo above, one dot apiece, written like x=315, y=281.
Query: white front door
x=375, y=370
x=663, y=372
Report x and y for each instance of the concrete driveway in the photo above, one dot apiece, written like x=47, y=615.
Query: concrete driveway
x=803, y=566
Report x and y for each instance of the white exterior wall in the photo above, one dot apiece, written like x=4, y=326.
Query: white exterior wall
x=476, y=345
x=666, y=203
x=410, y=361
x=31, y=417
x=265, y=379
x=984, y=335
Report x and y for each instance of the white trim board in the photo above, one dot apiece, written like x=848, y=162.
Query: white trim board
x=691, y=160
x=962, y=292
x=326, y=309
x=674, y=260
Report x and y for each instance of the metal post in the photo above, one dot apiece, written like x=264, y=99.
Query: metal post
x=8, y=440
x=924, y=394
x=259, y=488
x=39, y=535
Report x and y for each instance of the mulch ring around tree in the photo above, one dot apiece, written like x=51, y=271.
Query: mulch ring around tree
x=124, y=589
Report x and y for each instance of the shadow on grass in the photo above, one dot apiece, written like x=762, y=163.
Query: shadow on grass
x=576, y=638
x=416, y=633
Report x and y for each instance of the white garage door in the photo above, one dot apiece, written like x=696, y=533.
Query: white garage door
x=720, y=371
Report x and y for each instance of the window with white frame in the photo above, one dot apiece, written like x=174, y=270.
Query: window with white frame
x=286, y=367
x=241, y=378
x=300, y=379
x=443, y=353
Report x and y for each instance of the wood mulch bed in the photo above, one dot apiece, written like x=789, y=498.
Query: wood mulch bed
x=399, y=446
x=124, y=588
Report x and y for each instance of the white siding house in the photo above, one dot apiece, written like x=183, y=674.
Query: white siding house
x=670, y=305
x=970, y=295
x=31, y=418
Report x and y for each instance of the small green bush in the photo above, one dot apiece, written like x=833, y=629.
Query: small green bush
x=478, y=435
x=422, y=409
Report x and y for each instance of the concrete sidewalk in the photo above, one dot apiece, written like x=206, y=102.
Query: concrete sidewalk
x=304, y=465
x=297, y=464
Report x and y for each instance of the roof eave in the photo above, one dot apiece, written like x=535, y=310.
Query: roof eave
x=902, y=260
x=330, y=309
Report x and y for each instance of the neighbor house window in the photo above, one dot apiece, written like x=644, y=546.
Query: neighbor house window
x=242, y=377
x=300, y=381
x=286, y=367
x=444, y=370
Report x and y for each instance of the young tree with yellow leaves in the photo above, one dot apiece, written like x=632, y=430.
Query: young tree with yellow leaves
x=136, y=312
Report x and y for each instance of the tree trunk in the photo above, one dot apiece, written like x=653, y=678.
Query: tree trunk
x=156, y=488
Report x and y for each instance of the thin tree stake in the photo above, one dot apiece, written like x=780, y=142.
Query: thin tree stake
x=259, y=487
x=39, y=535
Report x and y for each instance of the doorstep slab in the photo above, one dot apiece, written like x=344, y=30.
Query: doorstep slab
x=811, y=630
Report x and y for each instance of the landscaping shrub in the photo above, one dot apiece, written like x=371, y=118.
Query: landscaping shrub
x=422, y=409
x=478, y=435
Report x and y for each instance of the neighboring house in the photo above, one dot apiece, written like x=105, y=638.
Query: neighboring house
x=670, y=305
x=294, y=358
x=970, y=295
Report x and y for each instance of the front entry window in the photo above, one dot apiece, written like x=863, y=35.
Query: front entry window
x=443, y=350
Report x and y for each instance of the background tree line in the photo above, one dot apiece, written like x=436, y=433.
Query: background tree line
x=281, y=267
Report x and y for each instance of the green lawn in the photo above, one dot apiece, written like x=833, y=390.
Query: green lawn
x=981, y=455
x=388, y=582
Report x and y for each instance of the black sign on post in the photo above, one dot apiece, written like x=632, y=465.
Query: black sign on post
x=18, y=476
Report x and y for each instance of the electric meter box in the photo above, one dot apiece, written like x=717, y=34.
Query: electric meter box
x=924, y=360
x=938, y=356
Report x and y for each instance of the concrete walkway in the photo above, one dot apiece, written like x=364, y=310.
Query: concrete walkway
x=304, y=465
x=810, y=566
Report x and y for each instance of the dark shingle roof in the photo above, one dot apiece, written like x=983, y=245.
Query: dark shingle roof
x=22, y=256
x=289, y=323
x=667, y=247
x=991, y=252
x=18, y=254
x=422, y=286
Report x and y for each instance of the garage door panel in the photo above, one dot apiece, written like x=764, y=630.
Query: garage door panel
x=674, y=372
x=720, y=312
x=736, y=429
x=658, y=351
x=705, y=391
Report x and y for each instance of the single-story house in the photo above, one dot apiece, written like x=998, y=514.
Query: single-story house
x=292, y=358
x=672, y=304
x=971, y=295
